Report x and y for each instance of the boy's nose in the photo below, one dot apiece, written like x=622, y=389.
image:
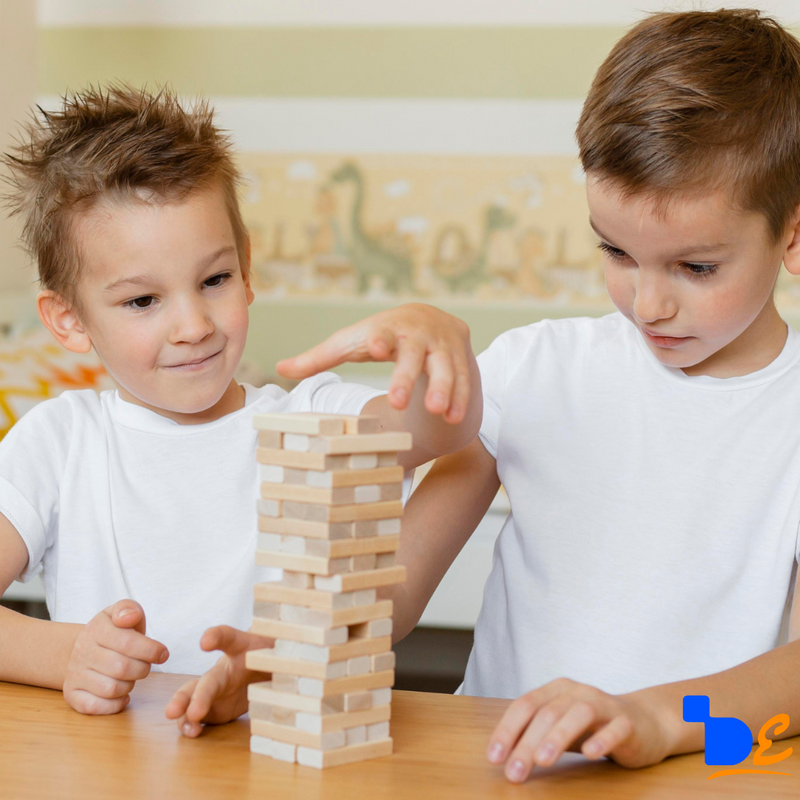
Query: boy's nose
x=653, y=300
x=191, y=324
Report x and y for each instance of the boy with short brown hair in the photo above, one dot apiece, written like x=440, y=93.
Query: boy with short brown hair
x=143, y=498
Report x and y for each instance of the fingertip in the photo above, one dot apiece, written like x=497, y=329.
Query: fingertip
x=496, y=753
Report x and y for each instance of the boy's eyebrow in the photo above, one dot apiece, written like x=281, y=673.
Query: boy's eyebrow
x=138, y=280
x=701, y=248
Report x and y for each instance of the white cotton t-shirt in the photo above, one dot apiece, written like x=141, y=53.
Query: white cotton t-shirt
x=654, y=516
x=116, y=501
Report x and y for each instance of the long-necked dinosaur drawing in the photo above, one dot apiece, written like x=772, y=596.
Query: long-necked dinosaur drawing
x=371, y=257
x=467, y=269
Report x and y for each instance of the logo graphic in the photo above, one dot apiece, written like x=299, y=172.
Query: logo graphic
x=728, y=739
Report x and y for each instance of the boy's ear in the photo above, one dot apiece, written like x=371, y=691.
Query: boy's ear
x=59, y=317
x=791, y=257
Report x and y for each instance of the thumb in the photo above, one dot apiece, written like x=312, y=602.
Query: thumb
x=231, y=640
x=127, y=614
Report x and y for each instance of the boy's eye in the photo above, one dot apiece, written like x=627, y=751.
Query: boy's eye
x=217, y=280
x=701, y=270
x=139, y=302
x=612, y=252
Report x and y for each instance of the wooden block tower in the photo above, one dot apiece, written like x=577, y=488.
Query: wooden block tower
x=329, y=516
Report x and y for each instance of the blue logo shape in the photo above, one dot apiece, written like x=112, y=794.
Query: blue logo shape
x=728, y=739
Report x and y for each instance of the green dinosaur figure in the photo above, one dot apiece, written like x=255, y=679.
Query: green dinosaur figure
x=370, y=258
x=470, y=269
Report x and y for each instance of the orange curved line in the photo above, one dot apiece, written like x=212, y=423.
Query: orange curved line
x=743, y=771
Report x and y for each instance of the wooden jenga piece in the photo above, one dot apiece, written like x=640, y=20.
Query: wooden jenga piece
x=329, y=516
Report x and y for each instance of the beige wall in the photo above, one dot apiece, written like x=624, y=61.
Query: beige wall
x=17, y=94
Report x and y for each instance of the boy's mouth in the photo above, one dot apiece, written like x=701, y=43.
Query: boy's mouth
x=665, y=341
x=199, y=363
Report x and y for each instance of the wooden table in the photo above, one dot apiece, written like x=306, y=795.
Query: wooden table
x=49, y=750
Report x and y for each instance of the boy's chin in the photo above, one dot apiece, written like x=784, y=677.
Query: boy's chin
x=200, y=401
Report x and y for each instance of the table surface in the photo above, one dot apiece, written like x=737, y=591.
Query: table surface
x=49, y=750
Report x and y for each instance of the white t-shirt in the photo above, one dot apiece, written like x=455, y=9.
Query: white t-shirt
x=654, y=516
x=116, y=501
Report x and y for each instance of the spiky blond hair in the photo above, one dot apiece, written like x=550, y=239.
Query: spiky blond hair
x=111, y=142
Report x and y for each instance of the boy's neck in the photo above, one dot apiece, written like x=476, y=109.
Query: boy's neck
x=757, y=347
x=232, y=400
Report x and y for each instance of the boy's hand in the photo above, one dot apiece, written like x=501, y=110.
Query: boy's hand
x=221, y=694
x=564, y=715
x=110, y=654
x=418, y=338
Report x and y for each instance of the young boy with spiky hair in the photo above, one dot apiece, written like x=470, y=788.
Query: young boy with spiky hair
x=142, y=499
x=651, y=457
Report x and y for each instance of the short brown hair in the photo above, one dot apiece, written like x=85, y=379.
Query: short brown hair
x=697, y=101
x=118, y=142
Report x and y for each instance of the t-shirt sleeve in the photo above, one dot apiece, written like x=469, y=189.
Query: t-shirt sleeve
x=492, y=365
x=327, y=394
x=32, y=457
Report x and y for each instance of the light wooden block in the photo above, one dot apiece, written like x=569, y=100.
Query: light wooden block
x=297, y=580
x=357, y=701
x=269, y=508
x=360, y=580
x=391, y=491
x=367, y=443
x=368, y=494
x=372, y=629
x=313, y=687
x=366, y=423
x=385, y=560
x=334, y=618
x=341, y=548
x=309, y=564
x=348, y=513
x=339, y=652
x=322, y=723
x=283, y=682
x=381, y=697
x=353, y=477
x=380, y=730
x=262, y=692
x=265, y=660
x=364, y=597
x=311, y=598
x=354, y=735
x=271, y=473
x=277, y=543
x=311, y=530
x=302, y=422
x=270, y=439
x=280, y=751
x=294, y=736
x=382, y=661
x=299, y=633
x=364, y=562
x=359, y=666
x=388, y=527
x=297, y=442
x=299, y=460
x=262, y=711
x=321, y=759
x=363, y=461
x=266, y=610
x=345, y=495
x=387, y=459
x=283, y=716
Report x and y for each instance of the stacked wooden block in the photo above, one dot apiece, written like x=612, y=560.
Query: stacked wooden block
x=329, y=516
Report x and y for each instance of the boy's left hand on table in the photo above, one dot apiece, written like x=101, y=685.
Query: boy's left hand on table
x=419, y=338
x=540, y=726
x=221, y=694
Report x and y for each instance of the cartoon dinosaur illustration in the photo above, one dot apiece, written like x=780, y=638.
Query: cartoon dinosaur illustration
x=467, y=269
x=370, y=256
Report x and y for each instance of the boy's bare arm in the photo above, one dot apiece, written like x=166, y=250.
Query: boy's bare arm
x=644, y=727
x=439, y=518
x=96, y=665
x=32, y=651
x=443, y=409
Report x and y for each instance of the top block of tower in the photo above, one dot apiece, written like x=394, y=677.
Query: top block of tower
x=317, y=424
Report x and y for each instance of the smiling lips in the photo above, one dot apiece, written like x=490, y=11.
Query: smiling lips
x=666, y=341
x=198, y=363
